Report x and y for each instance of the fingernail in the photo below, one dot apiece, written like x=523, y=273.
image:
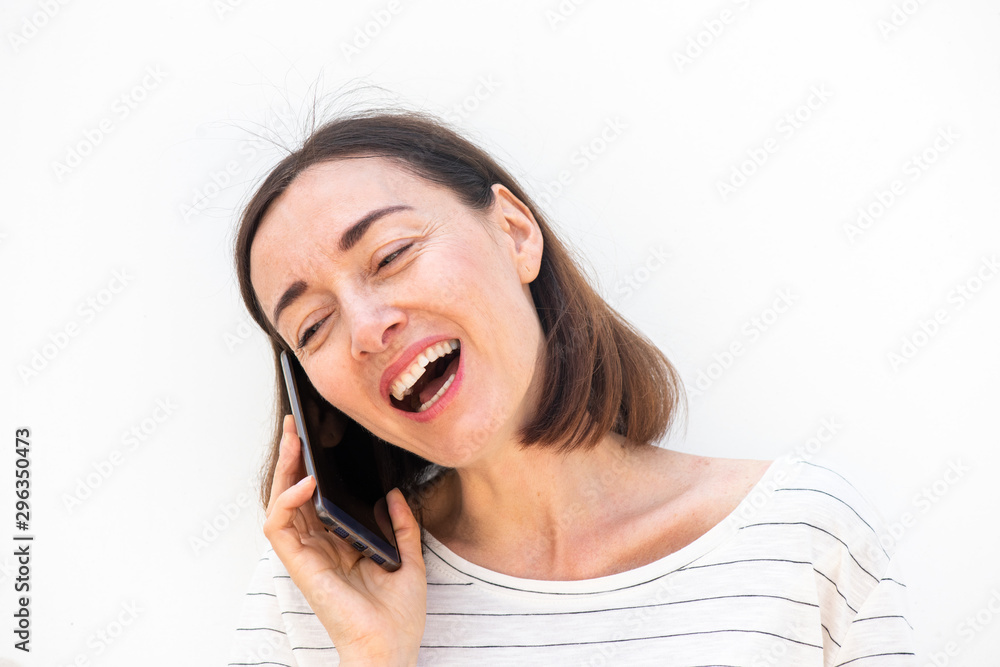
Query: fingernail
x=303, y=481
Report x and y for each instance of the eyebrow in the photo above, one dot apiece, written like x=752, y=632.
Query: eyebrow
x=348, y=240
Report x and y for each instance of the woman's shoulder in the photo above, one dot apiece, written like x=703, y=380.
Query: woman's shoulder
x=806, y=520
x=788, y=496
x=803, y=498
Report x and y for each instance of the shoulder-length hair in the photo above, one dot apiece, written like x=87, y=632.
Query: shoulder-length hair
x=602, y=373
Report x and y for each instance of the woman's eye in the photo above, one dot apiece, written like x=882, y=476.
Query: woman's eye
x=308, y=333
x=392, y=256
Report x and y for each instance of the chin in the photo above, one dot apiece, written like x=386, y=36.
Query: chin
x=457, y=457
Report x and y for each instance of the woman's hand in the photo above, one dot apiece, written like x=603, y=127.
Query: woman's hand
x=374, y=617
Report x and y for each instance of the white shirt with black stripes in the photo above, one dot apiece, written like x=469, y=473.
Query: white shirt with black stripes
x=795, y=575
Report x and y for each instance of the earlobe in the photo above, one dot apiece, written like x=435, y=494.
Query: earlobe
x=529, y=273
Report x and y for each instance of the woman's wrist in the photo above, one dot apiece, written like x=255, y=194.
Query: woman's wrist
x=379, y=659
x=377, y=652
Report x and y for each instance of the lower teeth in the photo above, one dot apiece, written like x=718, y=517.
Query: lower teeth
x=436, y=396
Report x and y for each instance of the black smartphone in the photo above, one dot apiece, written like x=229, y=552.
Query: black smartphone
x=341, y=455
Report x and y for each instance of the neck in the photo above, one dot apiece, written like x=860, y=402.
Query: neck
x=547, y=509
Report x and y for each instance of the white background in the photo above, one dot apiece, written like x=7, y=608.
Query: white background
x=121, y=546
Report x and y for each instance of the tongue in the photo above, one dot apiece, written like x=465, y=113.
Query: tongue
x=427, y=393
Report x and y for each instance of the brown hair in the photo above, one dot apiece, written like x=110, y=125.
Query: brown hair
x=602, y=373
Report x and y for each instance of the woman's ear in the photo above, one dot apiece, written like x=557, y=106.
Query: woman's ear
x=519, y=225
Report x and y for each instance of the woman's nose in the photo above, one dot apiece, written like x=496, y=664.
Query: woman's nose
x=373, y=322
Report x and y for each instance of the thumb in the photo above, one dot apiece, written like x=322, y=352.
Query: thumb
x=406, y=530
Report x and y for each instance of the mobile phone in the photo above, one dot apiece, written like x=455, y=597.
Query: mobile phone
x=341, y=455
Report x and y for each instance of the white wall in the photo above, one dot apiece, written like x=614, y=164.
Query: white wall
x=200, y=79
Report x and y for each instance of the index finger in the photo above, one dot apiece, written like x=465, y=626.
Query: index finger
x=290, y=467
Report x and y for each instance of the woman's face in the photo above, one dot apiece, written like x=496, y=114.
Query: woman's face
x=368, y=300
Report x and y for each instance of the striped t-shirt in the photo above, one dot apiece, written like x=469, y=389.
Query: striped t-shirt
x=795, y=575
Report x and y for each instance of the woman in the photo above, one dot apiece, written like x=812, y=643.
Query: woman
x=538, y=521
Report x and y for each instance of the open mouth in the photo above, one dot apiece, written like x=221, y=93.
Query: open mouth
x=426, y=380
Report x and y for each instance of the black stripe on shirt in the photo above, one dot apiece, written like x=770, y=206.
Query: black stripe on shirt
x=609, y=609
x=529, y=590
x=836, y=588
x=865, y=657
x=829, y=635
x=271, y=629
x=449, y=583
x=822, y=530
x=745, y=560
x=848, y=506
x=627, y=639
x=878, y=618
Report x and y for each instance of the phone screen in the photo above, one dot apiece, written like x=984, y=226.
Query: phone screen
x=344, y=457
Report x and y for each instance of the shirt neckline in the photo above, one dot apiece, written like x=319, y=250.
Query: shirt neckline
x=708, y=541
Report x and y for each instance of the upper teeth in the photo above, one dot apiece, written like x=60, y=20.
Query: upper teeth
x=400, y=387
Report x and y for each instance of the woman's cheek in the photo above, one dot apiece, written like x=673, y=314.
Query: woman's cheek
x=449, y=291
